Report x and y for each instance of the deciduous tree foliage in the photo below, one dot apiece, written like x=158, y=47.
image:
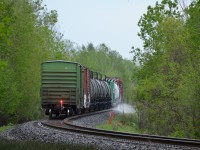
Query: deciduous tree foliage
x=167, y=91
x=27, y=38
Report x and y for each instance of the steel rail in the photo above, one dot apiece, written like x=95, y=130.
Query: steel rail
x=122, y=135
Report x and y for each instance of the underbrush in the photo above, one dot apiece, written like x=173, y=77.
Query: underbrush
x=121, y=123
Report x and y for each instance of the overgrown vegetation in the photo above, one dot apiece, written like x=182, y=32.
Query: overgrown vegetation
x=167, y=93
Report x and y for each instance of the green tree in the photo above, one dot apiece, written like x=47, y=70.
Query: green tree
x=169, y=68
x=27, y=38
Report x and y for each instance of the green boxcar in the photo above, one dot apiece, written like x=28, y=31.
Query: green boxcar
x=61, y=81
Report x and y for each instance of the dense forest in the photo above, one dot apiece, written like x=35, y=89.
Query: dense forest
x=28, y=36
x=167, y=93
x=162, y=81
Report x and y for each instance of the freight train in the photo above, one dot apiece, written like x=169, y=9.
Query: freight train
x=69, y=88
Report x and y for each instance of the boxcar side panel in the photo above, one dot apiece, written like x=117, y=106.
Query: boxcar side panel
x=60, y=80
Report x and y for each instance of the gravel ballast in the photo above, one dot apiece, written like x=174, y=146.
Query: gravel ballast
x=33, y=131
x=93, y=120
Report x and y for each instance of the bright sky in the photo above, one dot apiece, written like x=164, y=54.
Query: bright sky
x=113, y=22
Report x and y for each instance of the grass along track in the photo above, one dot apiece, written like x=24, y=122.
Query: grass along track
x=3, y=128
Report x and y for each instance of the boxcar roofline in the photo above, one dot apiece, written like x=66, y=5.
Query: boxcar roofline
x=52, y=61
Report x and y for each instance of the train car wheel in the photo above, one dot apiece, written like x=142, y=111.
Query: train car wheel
x=71, y=112
x=77, y=111
x=47, y=111
x=96, y=108
x=57, y=114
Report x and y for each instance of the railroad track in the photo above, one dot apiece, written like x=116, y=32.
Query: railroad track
x=67, y=125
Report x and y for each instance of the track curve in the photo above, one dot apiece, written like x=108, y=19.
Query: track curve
x=67, y=125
